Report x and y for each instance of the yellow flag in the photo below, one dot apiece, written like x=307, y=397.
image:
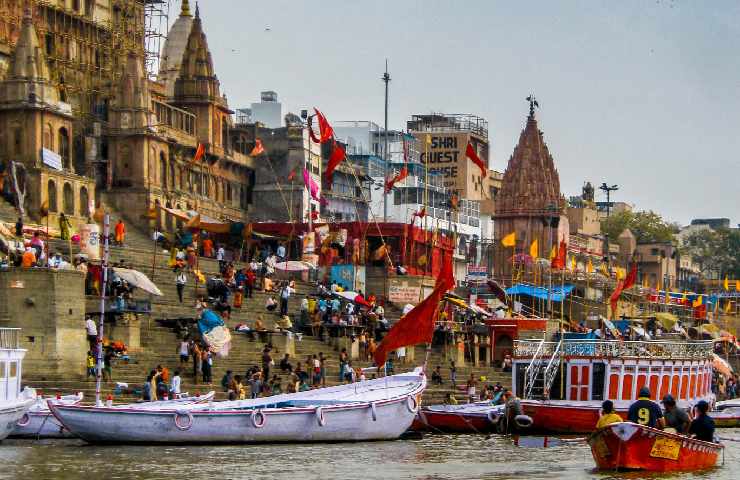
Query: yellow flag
x=737, y=285
x=590, y=266
x=726, y=283
x=509, y=240
x=699, y=300
x=534, y=249
x=683, y=299
x=573, y=264
x=728, y=307
x=620, y=273
x=553, y=252
x=645, y=282
x=603, y=269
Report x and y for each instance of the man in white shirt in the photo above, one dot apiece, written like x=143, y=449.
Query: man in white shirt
x=92, y=333
x=281, y=252
x=221, y=257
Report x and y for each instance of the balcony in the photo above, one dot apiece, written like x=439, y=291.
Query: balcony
x=9, y=338
x=617, y=349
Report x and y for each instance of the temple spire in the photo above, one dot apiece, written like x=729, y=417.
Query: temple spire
x=185, y=11
x=197, y=10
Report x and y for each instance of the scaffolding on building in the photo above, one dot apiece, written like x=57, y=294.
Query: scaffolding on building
x=156, y=14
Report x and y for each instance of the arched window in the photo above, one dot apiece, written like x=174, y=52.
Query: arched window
x=64, y=149
x=162, y=170
x=68, y=199
x=48, y=140
x=84, y=202
x=51, y=195
x=172, y=175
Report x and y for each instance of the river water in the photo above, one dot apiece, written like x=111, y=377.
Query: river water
x=434, y=457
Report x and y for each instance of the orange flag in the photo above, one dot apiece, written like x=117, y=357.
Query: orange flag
x=336, y=157
x=403, y=173
x=258, y=148
x=417, y=326
x=199, y=152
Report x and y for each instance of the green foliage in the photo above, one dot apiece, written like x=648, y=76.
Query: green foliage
x=647, y=227
x=717, y=252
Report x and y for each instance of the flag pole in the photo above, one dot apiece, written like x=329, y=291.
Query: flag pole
x=99, y=344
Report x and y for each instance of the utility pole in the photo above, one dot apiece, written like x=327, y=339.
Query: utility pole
x=386, y=79
x=606, y=188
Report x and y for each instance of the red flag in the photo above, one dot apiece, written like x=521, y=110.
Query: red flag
x=291, y=175
x=623, y=285
x=417, y=326
x=399, y=176
x=326, y=133
x=313, y=136
x=559, y=260
x=258, y=149
x=472, y=155
x=336, y=157
x=199, y=152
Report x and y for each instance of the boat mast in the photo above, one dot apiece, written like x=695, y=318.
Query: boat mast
x=99, y=353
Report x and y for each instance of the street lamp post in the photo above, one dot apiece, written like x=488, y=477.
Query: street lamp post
x=608, y=189
x=386, y=79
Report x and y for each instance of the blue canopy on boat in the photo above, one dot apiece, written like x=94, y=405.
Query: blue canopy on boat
x=556, y=294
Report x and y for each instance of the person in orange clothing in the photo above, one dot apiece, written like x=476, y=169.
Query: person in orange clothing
x=29, y=258
x=120, y=232
x=208, y=247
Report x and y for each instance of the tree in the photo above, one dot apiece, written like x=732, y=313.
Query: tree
x=717, y=252
x=647, y=227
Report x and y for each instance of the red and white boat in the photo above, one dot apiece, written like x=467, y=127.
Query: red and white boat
x=629, y=446
x=562, y=384
x=479, y=417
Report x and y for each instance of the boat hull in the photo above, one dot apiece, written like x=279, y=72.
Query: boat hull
x=457, y=419
x=727, y=418
x=39, y=425
x=340, y=423
x=11, y=412
x=554, y=418
x=628, y=446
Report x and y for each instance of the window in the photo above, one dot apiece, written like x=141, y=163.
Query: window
x=598, y=374
x=162, y=170
x=48, y=141
x=84, y=202
x=653, y=251
x=64, y=148
x=68, y=199
x=51, y=195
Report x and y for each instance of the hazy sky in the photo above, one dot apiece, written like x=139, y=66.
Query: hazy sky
x=642, y=94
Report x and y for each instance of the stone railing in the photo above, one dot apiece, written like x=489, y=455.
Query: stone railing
x=9, y=338
x=617, y=349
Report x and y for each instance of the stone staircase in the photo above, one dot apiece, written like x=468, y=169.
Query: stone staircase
x=159, y=344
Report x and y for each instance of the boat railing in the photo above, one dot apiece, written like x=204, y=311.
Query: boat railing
x=10, y=338
x=530, y=374
x=551, y=370
x=534, y=349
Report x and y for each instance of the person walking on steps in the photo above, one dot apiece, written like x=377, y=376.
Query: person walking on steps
x=180, y=281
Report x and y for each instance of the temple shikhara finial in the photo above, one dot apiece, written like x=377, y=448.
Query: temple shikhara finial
x=532, y=104
x=185, y=7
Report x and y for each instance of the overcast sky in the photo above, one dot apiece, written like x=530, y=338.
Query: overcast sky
x=641, y=94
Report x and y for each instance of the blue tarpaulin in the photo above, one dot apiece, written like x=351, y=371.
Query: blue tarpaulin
x=556, y=294
x=208, y=321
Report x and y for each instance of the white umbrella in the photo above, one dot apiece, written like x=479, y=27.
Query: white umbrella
x=138, y=279
x=293, y=266
x=348, y=295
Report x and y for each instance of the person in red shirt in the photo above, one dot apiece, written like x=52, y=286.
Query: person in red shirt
x=208, y=247
x=249, y=283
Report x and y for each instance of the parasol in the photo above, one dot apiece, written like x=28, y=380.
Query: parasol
x=138, y=279
x=720, y=365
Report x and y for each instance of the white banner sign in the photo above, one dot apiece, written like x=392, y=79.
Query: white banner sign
x=90, y=240
x=51, y=159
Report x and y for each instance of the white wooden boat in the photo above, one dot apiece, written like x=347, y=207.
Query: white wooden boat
x=14, y=403
x=39, y=423
x=380, y=409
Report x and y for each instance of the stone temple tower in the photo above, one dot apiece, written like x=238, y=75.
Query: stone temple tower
x=529, y=202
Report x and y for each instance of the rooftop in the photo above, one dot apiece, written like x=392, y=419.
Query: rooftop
x=449, y=122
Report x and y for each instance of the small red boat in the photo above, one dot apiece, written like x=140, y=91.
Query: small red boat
x=629, y=446
x=480, y=417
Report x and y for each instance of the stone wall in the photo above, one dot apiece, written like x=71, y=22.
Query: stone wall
x=49, y=306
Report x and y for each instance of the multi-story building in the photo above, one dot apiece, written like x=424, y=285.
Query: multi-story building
x=269, y=111
x=657, y=264
x=443, y=139
x=88, y=124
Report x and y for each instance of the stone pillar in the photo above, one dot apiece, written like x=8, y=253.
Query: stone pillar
x=476, y=351
x=127, y=329
x=49, y=307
